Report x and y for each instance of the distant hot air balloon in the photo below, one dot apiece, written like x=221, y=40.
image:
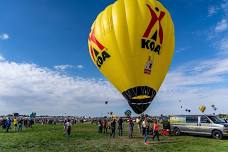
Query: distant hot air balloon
x=214, y=107
x=202, y=108
x=187, y=110
x=127, y=113
x=106, y=102
x=132, y=44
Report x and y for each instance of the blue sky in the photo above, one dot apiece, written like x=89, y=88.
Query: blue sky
x=45, y=62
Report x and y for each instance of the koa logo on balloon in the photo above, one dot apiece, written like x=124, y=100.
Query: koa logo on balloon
x=151, y=43
x=99, y=56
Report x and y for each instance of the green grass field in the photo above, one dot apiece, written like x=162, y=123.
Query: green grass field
x=85, y=139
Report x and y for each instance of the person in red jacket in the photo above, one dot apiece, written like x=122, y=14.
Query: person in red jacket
x=156, y=130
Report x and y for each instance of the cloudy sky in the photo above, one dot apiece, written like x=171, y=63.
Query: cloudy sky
x=45, y=64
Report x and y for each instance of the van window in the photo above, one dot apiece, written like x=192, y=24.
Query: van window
x=216, y=119
x=204, y=119
x=177, y=120
x=191, y=119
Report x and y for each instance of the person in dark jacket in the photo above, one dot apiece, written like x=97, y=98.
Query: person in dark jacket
x=120, y=126
x=113, y=128
x=130, y=127
x=4, y=123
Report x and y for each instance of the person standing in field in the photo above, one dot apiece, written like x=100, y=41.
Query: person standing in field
x=120, y=126
x=15, y=123
x=113, y=128
x=68, y=126
x=20, y=124
x=145, y=126
x=1, y=120
x=130, y=127
x=4, y=123
x=31, y=122
x=105, y=126
x=156, y=130
x=64, y=126
x=26, y=122
x=139, y=124
x=8, y=124
x=100, y=126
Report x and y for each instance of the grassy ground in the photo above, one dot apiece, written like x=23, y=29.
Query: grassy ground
x=86, y=139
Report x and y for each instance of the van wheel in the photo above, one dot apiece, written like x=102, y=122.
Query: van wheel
x=176, y=131
x=217, y=134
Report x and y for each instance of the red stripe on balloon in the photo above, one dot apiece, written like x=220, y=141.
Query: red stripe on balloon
x=95, y=41
x=92, y=53
x=153, y=20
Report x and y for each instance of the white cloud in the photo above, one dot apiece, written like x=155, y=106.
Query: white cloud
x=80, y=66
x=182, y=49
x=221, y=26
x=63, y=67
x=28, y=87
x=4, y=36
x=204, y=72
x=212, y=10
x=67, y=66
x=223, y=45
x=224, y=6
x=2, y=58
x=195, y=83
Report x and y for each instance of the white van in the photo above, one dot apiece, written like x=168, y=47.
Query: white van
x=208, y=125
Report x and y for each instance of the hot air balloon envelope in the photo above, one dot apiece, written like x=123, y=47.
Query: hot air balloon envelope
x=132, y=44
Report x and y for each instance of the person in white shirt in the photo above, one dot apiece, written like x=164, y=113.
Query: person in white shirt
x=68, y=127
x=145, y=126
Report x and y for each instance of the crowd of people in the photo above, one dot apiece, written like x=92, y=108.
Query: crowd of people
x=15, y=123
x=147, y=127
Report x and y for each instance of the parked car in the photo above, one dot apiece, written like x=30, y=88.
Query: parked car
x=208, y=125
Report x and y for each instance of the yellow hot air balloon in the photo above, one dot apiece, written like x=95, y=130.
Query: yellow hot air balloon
x=132, y=44
x=202, y=108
